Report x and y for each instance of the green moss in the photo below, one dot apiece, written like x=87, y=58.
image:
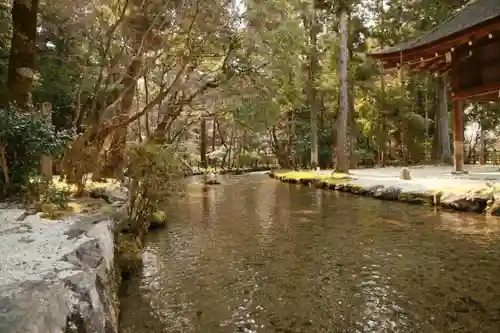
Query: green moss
x=128, y=255
x=158, y=220
x=310, y=175
x=51, y=211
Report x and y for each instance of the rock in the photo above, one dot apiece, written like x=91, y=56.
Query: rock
x=305, y=181
x=356, y=189
x=387, y=193
x=63, y=280
x=405, y=174
x=466, y=202
x=100, y=193
x=158, y=220
x=319, y=184
x=495, y=209
x=416, y=198
x=129, y=258
x=373, y=189
x=212, y=182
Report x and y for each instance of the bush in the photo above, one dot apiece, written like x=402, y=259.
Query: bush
x=152, y=175
x=57, y=196
x=24, y=138
x=128, y=254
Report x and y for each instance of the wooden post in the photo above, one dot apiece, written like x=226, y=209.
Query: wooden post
x=46, y=161
x=458, y=122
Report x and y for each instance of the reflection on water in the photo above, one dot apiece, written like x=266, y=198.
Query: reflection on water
x=256, y=255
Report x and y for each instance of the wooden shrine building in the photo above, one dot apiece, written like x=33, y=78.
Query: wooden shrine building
x=466, y=47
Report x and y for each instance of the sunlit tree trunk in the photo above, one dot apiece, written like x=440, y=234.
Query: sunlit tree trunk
x=203, y=144
x=22, y=52
x=341, y=151
x=115, y=154
x=214, y=135
x=482, y=144
x=443, y=127
x=312, y=92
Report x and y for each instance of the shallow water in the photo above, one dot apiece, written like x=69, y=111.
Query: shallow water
x=257, y=255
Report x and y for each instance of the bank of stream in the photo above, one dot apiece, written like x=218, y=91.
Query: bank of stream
x=257, y=255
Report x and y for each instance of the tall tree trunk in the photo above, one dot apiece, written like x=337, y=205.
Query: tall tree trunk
x=352, y=140
x=443, y=127
x=381, y=142
x=203, y=144
x=312, y=92
x=291, y=137
x=115, y=155
x=341, y=151
x=434, y=101
x=214, y=134
x=482, y=147
x=22, y=52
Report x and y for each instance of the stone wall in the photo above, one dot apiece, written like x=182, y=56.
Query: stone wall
x=57, y=276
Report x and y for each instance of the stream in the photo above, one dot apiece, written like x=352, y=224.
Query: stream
x=257, y=255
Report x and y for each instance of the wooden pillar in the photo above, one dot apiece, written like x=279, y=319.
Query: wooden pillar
x=46, y=161
x=458, y=131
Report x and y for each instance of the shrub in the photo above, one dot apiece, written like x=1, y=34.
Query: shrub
x=152, y=175
x=24, y=138
x=128, y=255
x=57, y=196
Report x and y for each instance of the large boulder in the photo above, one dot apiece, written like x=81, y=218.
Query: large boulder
x=472, y=201
x=61, y=277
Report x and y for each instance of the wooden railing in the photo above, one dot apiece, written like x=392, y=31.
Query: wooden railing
x=490, y=157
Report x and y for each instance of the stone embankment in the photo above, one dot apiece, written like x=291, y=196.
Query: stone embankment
x=64, y=275
x=234, y=171
x=478, y=197
x=57, y=276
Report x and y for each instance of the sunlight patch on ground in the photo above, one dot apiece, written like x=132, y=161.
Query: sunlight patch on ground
x=311, y=175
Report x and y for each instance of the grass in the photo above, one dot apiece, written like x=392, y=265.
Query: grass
x=108, y=183
x=311, y=175
x=74, y=206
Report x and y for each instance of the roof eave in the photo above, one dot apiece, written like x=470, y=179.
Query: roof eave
x=430, y=47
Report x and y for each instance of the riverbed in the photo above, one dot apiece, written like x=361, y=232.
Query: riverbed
x=257, y=255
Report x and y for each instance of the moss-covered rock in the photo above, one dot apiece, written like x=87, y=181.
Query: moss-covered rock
x=494, y=209
x=128, y=255
x=158, y=220
x=465, y=202
x=319, y=184
x=416, y=198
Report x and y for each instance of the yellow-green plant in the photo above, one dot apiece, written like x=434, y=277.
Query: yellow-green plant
x=152, y=175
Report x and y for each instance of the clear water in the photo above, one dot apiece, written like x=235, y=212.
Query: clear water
x=257, y=255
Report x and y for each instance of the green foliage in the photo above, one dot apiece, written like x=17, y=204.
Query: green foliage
x=128, y=253
x=57, y=196
x=24, y=138
x=151, y=177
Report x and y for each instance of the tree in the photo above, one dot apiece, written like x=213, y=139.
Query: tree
x=22, y=51
x=341, y=151
x=443, y=135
